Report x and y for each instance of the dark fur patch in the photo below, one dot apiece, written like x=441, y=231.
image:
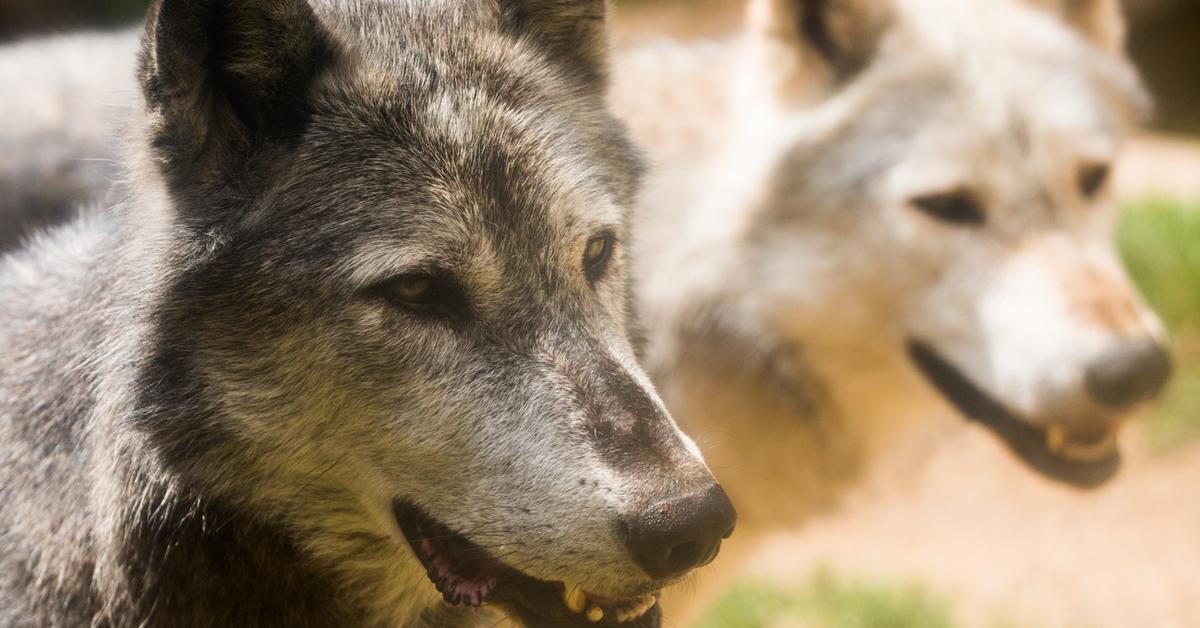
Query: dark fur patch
x=229, y=81
x=194, y=561
x=845, y=33
x=572, y=31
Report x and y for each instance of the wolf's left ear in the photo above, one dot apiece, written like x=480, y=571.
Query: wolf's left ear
x=1099, y=21
x=225, y=80
x=839, y=36
x=572, y=32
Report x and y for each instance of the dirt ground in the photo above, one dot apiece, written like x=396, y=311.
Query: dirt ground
x=1006, y=545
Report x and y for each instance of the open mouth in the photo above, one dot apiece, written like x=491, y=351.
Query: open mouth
x=467, y=574
x=1085, y=458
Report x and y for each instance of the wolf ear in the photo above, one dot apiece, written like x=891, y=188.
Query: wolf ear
x=223, y=79
x=839, y=35
x=1099, y=21
x=573, y=32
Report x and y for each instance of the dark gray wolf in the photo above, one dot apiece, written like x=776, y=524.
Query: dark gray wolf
x=860, y=210
x=356, y=351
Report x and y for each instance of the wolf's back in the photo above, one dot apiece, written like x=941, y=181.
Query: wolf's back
x=55, y=300
x=67, y=102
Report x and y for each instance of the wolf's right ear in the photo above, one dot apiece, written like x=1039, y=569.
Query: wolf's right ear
x=572, y=32
x=225, y=79
x=1098, y=21
x=840, y=36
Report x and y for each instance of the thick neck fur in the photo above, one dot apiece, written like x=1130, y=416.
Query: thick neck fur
x=100, y=530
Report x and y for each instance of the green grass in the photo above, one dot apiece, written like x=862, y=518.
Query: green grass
x=828, y=601
x=1160, y=243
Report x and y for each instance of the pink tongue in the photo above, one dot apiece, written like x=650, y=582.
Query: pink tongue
x=474, y=592
x=453, y=586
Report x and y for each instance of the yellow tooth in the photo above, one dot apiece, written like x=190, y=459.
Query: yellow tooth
x=1056, y=438
x=595, y=614
x=628, y=614
x=574, y=598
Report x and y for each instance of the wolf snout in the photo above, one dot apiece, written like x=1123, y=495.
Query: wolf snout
x=1129, y=373
x=679, y=533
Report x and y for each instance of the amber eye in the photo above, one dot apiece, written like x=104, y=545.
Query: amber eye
x=1092, y=179
x=412, y=289
x=596, y=255
x=426, y=293
x=957, y=207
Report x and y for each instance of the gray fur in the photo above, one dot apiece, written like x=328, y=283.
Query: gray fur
x=209, y=401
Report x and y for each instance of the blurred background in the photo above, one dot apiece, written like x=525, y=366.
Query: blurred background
x=969, y=538
x=1164, y=38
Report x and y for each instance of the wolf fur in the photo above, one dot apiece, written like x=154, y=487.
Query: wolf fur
x=60, y=145
x=213, y=394
x=784, y=271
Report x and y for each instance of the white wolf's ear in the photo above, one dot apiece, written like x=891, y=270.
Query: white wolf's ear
x=224, y=79
x=840, y=36
x=573, y=32
x=1099, y=21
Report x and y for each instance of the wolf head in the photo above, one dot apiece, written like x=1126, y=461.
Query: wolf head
x=393, y=309
x=941, y=185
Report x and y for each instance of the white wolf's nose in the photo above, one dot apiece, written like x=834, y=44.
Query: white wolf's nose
x=1130, y=373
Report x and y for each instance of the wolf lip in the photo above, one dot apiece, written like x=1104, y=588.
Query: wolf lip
x=465, y=573
x=1081, y=460
x=1084, y=445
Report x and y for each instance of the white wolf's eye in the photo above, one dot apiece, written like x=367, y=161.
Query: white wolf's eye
x=1092, y=178
x=597, y=254
x=958, y=207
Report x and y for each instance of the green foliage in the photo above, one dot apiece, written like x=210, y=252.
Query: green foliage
x=828, y=601
x=1160, y=243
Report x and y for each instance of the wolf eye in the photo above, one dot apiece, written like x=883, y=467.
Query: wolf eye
x=597, y=254
x=960, y=207
x=1092, y=178
x=425, y=293
x=413, y=289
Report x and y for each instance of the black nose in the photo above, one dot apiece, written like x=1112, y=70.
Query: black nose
x=680, y=533
x=1129, y=373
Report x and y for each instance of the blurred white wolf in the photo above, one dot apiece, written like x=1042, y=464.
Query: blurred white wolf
x=860, y=210
x=66, y=100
